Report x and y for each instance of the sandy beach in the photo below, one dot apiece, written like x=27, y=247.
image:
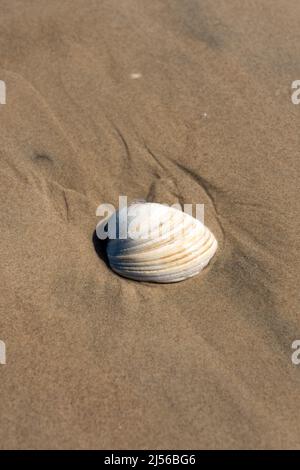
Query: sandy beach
x=169, y=101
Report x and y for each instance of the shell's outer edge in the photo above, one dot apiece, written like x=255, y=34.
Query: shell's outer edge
x=180, y=252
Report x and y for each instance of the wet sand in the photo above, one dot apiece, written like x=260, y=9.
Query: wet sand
x=170, y=101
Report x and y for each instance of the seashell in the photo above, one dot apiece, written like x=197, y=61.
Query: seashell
x=161, y=244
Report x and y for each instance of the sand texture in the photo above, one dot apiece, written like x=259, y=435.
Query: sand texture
x=165, y=100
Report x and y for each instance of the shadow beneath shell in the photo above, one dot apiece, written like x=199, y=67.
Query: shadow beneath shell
x=100, y=248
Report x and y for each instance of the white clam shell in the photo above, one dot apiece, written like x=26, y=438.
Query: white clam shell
x=170, y=245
